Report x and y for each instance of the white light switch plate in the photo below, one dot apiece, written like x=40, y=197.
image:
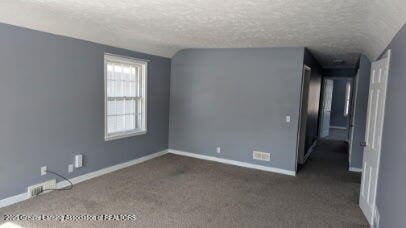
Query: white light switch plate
x=287, y=119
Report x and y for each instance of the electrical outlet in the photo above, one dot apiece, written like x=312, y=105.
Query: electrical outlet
x=70, y=168
x=218, y=150
x=43, y=170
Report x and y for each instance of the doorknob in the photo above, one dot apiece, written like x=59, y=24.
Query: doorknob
x=363, y=144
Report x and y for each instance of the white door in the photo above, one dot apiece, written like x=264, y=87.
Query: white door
x=326, y=107
x=373, y=136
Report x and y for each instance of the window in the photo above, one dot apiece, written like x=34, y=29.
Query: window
x=125, y=97
x=347, y=98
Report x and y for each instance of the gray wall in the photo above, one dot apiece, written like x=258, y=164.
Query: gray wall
x=313, y=101
x=337, y=117
x=237, y=99
x=51, y=91
x=391, y=200
x=360, y=112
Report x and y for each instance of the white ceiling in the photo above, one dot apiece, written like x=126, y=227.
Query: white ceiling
x=330, y=28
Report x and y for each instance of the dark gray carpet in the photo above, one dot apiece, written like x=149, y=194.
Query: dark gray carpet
x=175, y=191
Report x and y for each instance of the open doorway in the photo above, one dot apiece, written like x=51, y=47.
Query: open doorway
x=326, y=123
x=335, y=120
x=336, y=109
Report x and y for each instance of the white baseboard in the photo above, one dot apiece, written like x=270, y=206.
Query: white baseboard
x=338, y=127
x=24, y=196
x=354, y=169
x=13, y=199
x=110, y=169
x=233, y=162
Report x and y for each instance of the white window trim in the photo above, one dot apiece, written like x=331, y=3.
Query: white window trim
x=129, y=60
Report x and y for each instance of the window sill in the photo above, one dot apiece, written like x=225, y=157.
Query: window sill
x=124, y=135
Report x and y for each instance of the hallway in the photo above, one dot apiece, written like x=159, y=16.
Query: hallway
x=329, y=157
x=327, y=170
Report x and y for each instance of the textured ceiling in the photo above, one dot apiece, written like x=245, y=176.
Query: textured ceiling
x=330, y=28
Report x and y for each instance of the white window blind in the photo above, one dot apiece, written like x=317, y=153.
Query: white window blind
x=125, y=97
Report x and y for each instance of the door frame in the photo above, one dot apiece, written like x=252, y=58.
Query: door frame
x=301, y=125
x=322, y=102
x=354, y=96
x=348, y=78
